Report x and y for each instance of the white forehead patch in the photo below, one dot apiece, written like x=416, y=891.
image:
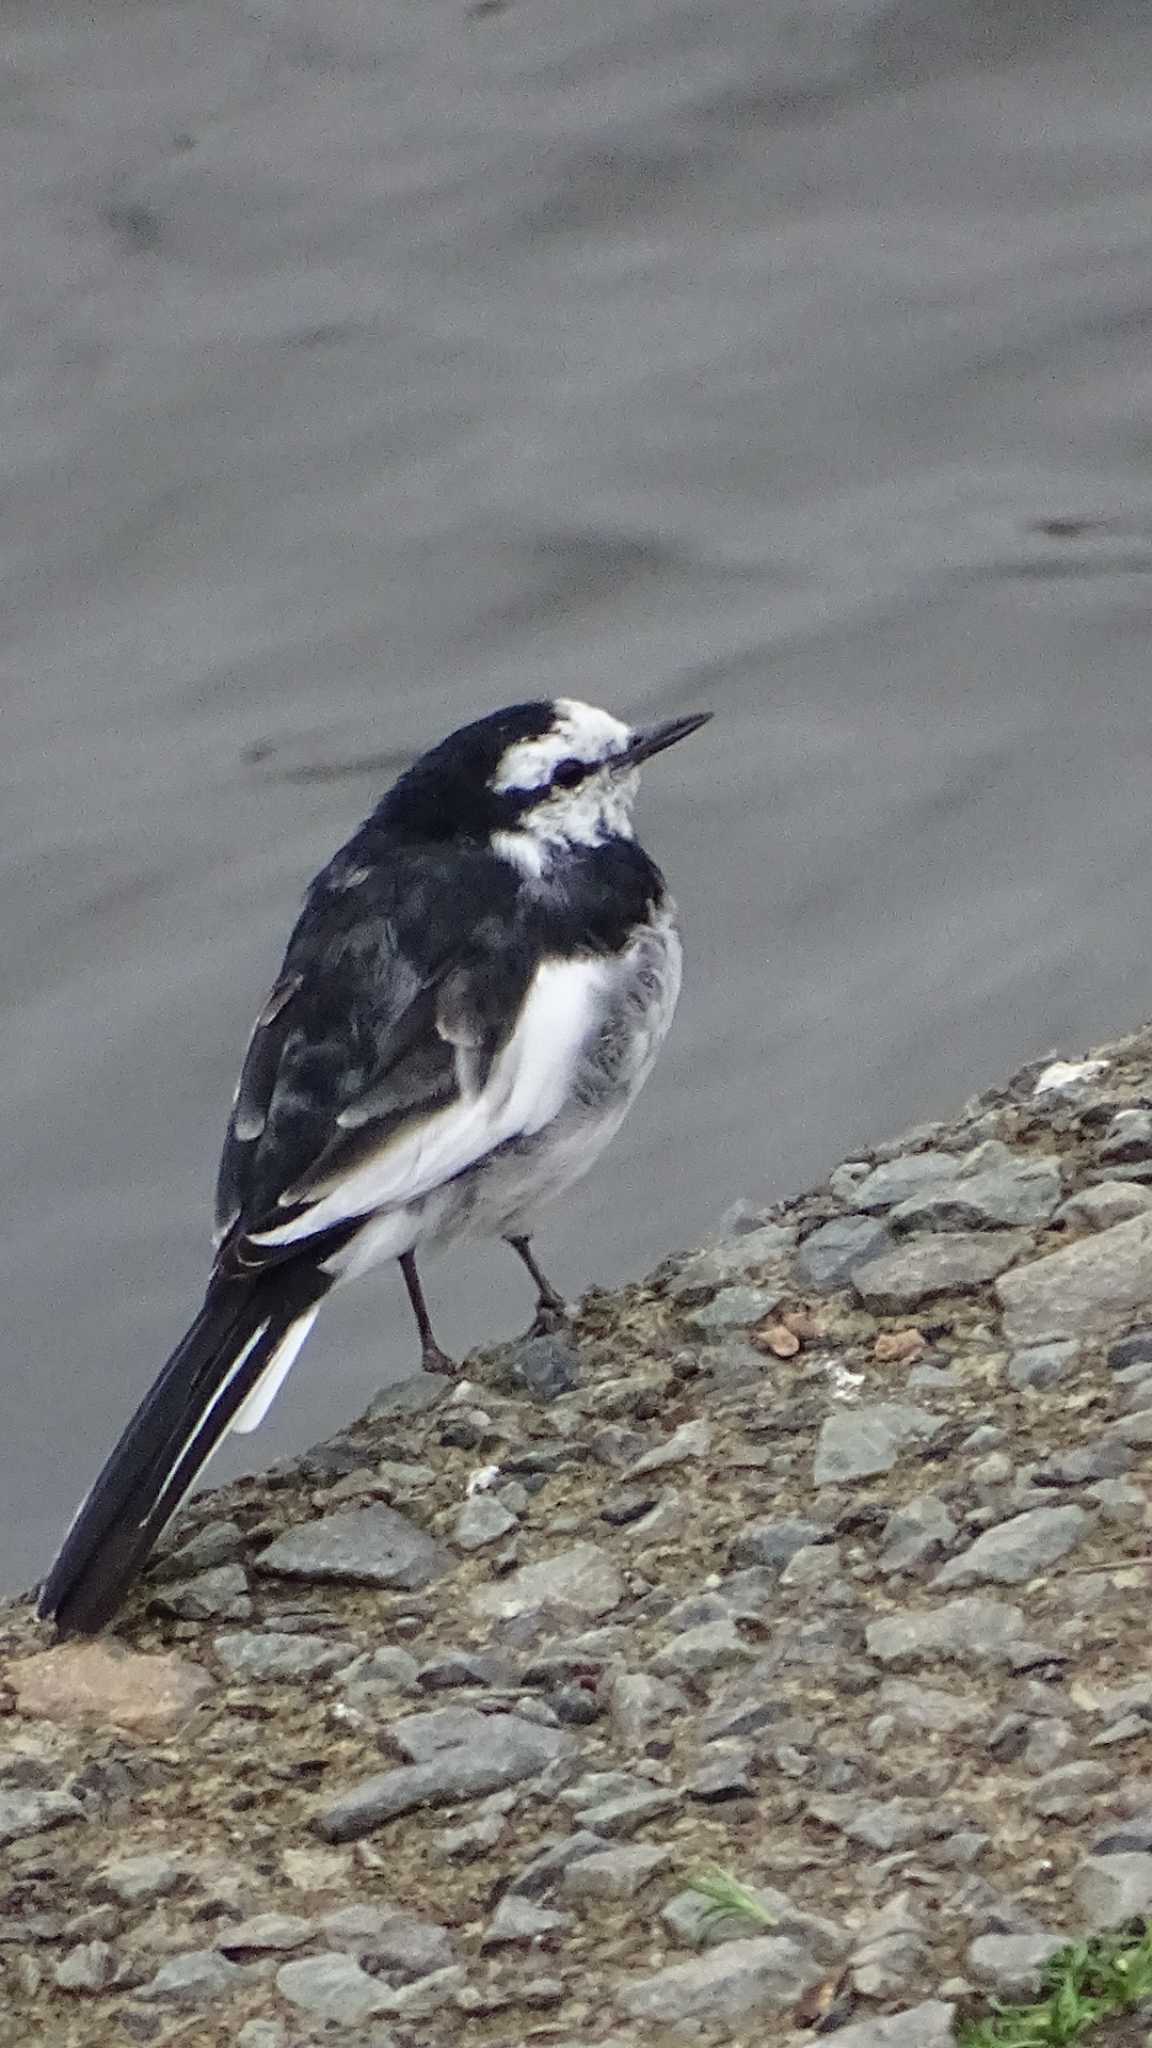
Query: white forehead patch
x=580, y=732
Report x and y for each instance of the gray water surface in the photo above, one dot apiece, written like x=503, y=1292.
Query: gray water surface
x=365, y=364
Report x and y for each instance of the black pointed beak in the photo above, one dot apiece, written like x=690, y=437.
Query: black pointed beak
x=652, y=739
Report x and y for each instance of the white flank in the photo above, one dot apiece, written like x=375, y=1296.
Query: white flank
x=527, y=1087
x=254, y=1408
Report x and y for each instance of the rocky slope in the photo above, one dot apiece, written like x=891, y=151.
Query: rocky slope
x=821, y=1555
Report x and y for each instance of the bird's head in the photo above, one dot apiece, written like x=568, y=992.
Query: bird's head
x=533, y=779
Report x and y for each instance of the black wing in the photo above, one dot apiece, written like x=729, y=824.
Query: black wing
x=391, y=999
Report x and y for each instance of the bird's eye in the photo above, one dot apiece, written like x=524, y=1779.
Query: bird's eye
x=569, y=774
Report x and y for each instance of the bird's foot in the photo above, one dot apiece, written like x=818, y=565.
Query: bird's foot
x=552, y=1318
x=434, y=1360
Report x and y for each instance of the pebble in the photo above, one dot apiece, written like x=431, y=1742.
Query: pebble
x=937, y=1264
x=195, y=1978
x=773, y=1543
x=334, y=1987
x=1043, y=1365
x=90, y=1966
x=585, y=1579
x=896, y=1180
x=922, y=2026
x=916, y=1534
x=734, y=1308
x=857, y=1443
x=216, y=1543
x=481, y=1519
x=1113, y=1889
x=508, y=1750
x=220, y=1594
x=266, y=1931
x=366, y=1546
x=1012, y=1965
x=1016, y=1550
x=828, y=1258
x=32, y=1813
x=765, y=1974
x=134, y=1880
x=543, y=1368
x=691, y=1440
x=516, y=1919
x=1017, y=1192
x=614, y=1873
x=969, y=1631
x=714, y=1646
x=254, y=1656
x=1109, y=1202
x=1084, y=1288
x=931, y=1708
x=721, y=1264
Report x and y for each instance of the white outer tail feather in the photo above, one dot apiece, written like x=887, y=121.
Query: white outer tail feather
x=255, y=1407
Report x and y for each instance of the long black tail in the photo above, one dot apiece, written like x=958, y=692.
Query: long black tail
x=247, y=1331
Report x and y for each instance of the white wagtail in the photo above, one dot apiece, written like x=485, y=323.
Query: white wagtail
x=475, y=992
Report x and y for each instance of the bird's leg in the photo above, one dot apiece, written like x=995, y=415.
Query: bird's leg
x=432, y=1358
x=551, y=1308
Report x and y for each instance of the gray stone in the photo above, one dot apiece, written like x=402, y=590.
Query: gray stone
x=638, y=1704
x=625, y=1815
x=33, y=1812
x=898, y=1179
x=194, y=1979
x=585, y=1579
x=765, y=1974
x=516, y=1919
x=614, y=1873
x=253, y=1655
x=1105, y=1459
x=368, y=1546
x=134, y=1880
x=857, y=1443
x=690, y=1440
x=389, y=1668
x=829, y=1257
x=482, y=1519
x=420, y=1737
x=925, y=1707
x=720, y=1265
x=1013, y=1551
x=1112, y=1889
x=728, y=1773
x=916, y=1534
x=714, y=1646
x=922, y=2026
x=511, y=1749
x=1133, y=1429
x=1084, y=1288
x=969, y=1631
x=1109, y=1202
x=734, y=1308
x=415, y=1395
x=883, y=1824
x=215, y=1544
x=773, y=1543
x=937, y=1264
x=1012, y=1965
x=1128, y=1137
x=1021, y=1192
x=817, y=1564
x=1071, y=1791
x=266, y=1931
x=545, y=1870
x=1042, y=1365
x=90, y=1966
x=1133, y=1350
x=541, y=1367
x=217, y=1595
x=271, y=2034
x=334, y=1987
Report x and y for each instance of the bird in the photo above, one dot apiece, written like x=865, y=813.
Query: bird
x=476, y=989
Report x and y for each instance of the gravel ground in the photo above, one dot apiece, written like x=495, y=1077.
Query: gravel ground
x=820, y=1555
